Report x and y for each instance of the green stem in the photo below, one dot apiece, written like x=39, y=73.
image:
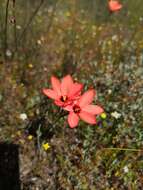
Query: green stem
x=124, y=149
x=38, y=139
x=60, y=116
x=5, y=30
x=14, y=26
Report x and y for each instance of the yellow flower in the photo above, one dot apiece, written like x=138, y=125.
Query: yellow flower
x=103, y=115
x=93, y=27
x=68, y=14
x=19, y=133
x=117, y=173
x=30, y=65
x=45, y=146
x=30, y=137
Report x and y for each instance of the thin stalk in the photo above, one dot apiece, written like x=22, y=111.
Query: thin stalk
x=52, y=16
x=38, y=140
x=1, y=18
x=58, y=118
x=6, y=27
x=124, y=149
x=14, y=26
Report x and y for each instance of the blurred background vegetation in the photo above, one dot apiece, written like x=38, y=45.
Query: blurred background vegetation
x=104, y=50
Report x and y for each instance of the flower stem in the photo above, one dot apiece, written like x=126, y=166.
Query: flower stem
x=124, y=149
x=6, y=27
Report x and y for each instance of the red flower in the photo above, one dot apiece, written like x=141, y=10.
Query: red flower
x=83, y=109
x=64, y=92
x=114, y=5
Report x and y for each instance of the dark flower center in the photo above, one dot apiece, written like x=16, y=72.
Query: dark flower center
x=76, y=109
x=64, y=98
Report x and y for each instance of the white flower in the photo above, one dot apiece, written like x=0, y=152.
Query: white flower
x=39, y=42
x=23, y=116
x=126, y=169
x=115, y=38
x=8, y=53
x=116, y=115
x=18, y=27
x=109, y=91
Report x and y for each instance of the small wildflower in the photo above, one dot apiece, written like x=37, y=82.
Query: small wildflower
x=23, y=116
x=109, y=43
x=126, y=169
x=30, y=65
x=63, y=92
x=18, y=133
x=45, y=146
x=68, y=14
x=8, y=53
x=115, y=38
x=12, y=136
x=100, y=28
x=109, y=91
x=93, y=27
x=83, y=109
x=103, y=115
x=67, y=94
x=30, y=137
x=117, y=173
x=114, y=5
x=116, y=115
x=18, y=27
x=22, y=141
x=39, y=42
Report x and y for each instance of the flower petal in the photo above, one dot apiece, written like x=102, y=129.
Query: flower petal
x=68, y=108
x=93, y=109
x=59, y=103
x=66, y=85
x=56, y=85
x=87, y=117
x=50, y=93
x=86, y=98
x=76, y=89
x=73, y=119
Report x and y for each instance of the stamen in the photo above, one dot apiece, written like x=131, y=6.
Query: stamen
x=63, y=98
x=76, y=109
